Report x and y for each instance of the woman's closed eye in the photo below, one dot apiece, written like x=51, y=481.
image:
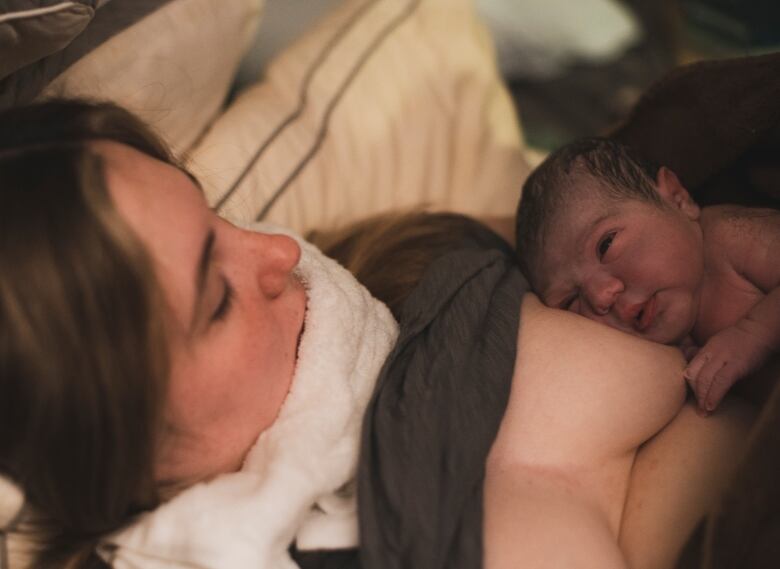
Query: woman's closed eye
x=225, y=302
x=605, y=243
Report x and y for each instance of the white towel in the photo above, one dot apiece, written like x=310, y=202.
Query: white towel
x=296, y=483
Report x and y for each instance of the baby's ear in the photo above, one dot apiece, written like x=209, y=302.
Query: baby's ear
x=675, y=194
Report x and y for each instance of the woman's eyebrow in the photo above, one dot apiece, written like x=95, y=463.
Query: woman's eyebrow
x=200, y=275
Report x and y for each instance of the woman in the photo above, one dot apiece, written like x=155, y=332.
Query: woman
x=111, y=246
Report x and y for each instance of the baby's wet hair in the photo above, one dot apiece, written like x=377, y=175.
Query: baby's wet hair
x=591, y=167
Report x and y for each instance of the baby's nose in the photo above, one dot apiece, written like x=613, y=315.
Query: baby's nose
x=602, y=293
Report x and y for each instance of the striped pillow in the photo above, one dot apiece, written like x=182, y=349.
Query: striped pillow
x=385, y=104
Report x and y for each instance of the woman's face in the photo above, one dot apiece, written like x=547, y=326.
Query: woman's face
x=235, y=314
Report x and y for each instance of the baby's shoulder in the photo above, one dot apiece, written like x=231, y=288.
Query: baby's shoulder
x=732, y=227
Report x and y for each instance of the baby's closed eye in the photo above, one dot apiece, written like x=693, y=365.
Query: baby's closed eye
x=605, y=243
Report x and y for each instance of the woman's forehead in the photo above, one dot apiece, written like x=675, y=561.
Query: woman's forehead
x=168, y=214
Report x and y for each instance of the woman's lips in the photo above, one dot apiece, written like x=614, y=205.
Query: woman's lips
x=302, y=329
x=300, y=336
x=647, y=315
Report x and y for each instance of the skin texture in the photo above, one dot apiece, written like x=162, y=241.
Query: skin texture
x=627, y=264
x=739, y=324
x=704, y=280
x=599, y=462
x=233, y=351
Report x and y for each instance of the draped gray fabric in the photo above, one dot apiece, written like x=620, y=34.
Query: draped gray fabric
x=435, y=413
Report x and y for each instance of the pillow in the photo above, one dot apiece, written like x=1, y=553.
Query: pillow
x=31, y=30
x=173, y=68
x=384, y=104
x=39, y=39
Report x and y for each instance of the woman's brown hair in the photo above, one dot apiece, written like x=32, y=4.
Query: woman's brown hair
x=390, y=252
x=83, y=364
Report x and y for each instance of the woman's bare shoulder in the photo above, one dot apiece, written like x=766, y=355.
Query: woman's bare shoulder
x=569, y=341
x=601, y=389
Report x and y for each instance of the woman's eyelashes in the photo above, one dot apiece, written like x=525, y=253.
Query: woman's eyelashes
x=225, y=302
x=604, y=244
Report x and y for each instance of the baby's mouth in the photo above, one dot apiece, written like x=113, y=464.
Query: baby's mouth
x=646, y=315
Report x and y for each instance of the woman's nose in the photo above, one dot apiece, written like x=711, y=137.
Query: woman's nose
x=278, y=255
x=602, y=292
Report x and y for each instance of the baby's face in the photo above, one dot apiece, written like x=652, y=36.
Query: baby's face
x=631, y=265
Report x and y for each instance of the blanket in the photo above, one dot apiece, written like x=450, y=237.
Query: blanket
x=435, y=413
x=716, y=124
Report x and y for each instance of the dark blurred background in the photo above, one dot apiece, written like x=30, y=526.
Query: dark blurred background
x=585, y=96
x=575, y=67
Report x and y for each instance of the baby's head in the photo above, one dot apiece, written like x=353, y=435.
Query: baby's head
x=606, y=235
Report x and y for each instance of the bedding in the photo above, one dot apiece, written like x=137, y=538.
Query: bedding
x=40, y=39
x=717, y=125
x=171, y=62
x=375, y=108
x=435, y=413
x=31, y=30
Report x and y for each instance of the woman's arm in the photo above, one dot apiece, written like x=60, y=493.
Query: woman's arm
x=677, y=477
x=540, y=520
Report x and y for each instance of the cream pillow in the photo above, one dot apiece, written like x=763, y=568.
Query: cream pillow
x=384, y=104
x=173, y=68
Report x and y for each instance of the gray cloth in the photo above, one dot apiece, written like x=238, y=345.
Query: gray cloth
x=435, y=413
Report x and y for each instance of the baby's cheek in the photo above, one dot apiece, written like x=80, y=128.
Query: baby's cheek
x=612, y=322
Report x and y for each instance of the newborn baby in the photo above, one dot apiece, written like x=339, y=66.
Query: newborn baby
x=620, y=242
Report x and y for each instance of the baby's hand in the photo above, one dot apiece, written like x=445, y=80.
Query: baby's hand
x=724, y=359
x=688, y=348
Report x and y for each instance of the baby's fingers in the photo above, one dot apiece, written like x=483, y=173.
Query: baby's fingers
x=709, y=377
x=722, y=381
x=701, y=374
x=694, y=368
